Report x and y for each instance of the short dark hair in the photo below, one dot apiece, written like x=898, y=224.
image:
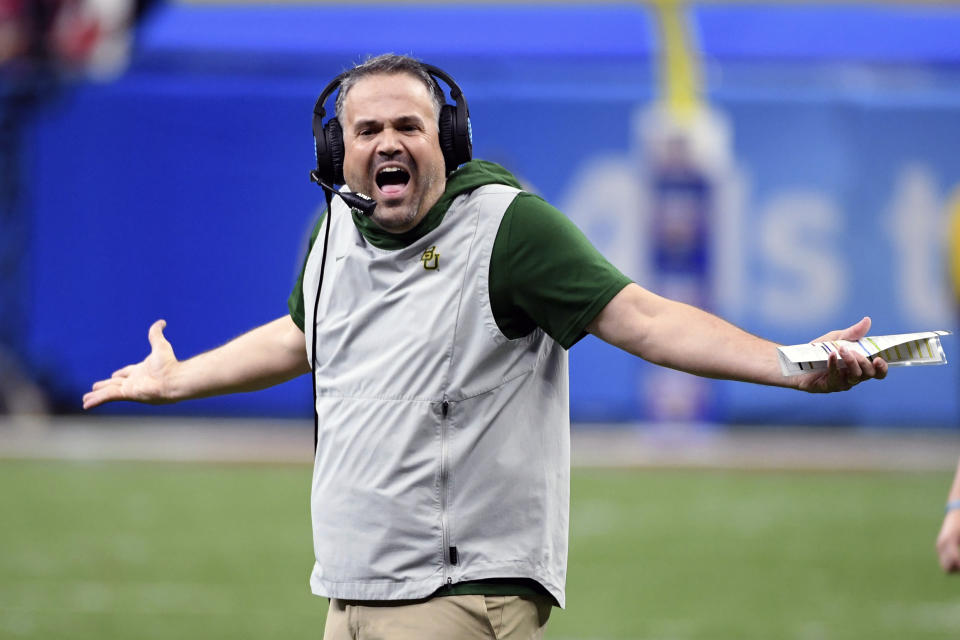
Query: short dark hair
x=389, y=63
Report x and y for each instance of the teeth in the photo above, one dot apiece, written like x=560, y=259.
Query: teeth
x=395, y=177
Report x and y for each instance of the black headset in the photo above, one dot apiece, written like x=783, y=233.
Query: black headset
x=456, y=135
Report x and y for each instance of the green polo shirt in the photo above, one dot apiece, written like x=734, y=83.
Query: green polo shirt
x=543, y=270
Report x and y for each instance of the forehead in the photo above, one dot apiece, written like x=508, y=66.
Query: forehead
x=384, y=96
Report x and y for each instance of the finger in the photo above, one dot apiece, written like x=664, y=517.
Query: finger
x=852, y=333
x=833, y=367
x=853, y=366
x=124, y=372
x=881, y=367
x=89, y=402
x=950, y=559
x=99, y=384
x=95, y=398
x=866, y=367
x=858, y=330
x=835, y=377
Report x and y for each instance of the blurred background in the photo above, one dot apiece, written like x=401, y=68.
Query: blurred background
x=791, y=166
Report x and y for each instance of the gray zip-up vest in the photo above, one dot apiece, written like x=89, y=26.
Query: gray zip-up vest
x=443, y=447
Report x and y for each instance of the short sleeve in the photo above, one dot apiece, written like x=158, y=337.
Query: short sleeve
x=295, y=301
x=545, y=273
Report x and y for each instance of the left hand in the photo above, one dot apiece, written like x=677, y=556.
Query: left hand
x=858, y=366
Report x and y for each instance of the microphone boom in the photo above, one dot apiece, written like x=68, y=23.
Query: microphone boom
x=363, y=203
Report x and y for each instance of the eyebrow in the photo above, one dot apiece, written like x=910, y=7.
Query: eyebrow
x=400, y=120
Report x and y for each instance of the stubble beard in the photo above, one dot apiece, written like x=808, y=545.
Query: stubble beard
x=396, y=221
x=405, y=218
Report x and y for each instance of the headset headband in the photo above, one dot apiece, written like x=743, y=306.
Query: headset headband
x=455, y=91
x=455, y=132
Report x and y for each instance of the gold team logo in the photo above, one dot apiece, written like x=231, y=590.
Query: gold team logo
x=430, y=258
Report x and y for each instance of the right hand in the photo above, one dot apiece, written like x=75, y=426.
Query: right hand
x=858, y=367
x=948, y=542
x=146, y=381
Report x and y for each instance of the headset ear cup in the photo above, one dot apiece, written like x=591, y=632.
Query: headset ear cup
x=320, y=151
x=328, y=143
x=447, y=143
x=456, y=139
x=462, y=137
x=334, y=135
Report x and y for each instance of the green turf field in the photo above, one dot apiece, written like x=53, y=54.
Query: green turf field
x=189, y=551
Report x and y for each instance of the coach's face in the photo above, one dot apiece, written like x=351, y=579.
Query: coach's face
x=392, y=148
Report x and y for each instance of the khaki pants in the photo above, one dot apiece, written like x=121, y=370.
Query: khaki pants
x=439, y=618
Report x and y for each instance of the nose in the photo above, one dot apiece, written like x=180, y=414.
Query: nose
x=388, y=144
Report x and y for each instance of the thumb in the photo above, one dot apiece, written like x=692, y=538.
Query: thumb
x=857, y=331
x=155, y=335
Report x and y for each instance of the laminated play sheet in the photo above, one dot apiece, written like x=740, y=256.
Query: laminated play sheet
x=898, y=350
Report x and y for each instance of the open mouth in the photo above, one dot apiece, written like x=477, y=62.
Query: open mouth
x=392, y=180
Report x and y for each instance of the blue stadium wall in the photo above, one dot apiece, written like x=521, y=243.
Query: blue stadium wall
x=180, y=190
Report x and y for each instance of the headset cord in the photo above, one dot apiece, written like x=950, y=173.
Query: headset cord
x=316, y=306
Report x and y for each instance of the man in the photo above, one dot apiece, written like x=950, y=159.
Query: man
x=948, y=540
x=441, y=478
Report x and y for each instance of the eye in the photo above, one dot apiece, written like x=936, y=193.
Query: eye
x=366, y=129
x=409, y=126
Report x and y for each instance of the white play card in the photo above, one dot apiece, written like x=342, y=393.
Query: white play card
x=898, y=350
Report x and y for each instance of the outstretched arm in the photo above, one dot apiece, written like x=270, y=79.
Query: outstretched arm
x=268, y=355
x=680, y=336
x=948, y=542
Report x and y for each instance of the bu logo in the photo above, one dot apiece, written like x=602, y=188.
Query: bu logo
x=430, y=258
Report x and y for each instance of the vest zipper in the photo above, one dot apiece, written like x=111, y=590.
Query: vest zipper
x=445, y=535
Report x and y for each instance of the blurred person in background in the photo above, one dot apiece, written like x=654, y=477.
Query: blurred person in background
x=437, y=334
x=84, y=37
x=948, y=541
x=44, y=44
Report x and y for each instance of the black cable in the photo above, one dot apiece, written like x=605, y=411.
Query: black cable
x=316, y=306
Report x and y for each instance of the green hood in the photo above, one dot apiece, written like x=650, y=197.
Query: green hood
x=468, y=177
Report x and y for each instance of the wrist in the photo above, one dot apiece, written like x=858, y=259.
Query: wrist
x=952, y=505
x=173, y=387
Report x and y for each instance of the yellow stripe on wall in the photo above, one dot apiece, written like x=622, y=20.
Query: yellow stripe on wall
x=680, y=83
